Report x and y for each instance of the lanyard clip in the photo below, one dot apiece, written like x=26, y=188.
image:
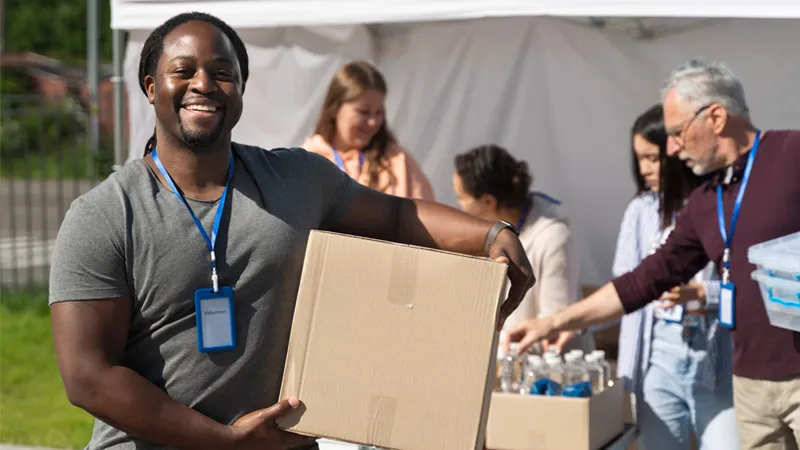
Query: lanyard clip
x=214, y=276
x=215, y=280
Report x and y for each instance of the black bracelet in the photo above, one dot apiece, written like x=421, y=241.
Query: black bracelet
x=494, y=231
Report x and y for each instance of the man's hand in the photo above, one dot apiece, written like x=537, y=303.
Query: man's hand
x=531, y=331
x=602, y=306
x=557, y=344
x=257, y=430
x=508, y=250
x=682, y=294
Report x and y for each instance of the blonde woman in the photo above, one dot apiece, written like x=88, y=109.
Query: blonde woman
x=352, y=132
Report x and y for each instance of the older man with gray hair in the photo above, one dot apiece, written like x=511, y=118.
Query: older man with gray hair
x=753, y=196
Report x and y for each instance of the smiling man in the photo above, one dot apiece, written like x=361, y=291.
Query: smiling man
x=146, y=263
x=752, y=197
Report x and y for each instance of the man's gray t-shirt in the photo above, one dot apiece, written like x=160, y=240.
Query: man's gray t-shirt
x=132, y=237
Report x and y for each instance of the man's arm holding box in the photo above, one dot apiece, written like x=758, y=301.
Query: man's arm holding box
x=433, y=225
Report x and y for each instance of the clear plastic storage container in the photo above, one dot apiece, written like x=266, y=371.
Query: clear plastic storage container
x=779, y=257
x=781, y=299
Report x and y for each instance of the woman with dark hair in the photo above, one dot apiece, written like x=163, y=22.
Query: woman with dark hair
x=352, y=132
x=492, y=185
x=675, y=362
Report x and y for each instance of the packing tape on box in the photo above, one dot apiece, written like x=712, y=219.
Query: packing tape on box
x=402, y=279
x=537, y=439
x=382, y=412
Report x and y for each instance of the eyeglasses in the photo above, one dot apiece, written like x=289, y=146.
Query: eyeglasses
x=678, y=132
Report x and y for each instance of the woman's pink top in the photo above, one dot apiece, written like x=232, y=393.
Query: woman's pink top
x=409, y=180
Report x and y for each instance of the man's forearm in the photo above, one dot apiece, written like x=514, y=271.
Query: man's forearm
x=603, y=306
x=439, y=226
x=127, y=401
x=411, y=221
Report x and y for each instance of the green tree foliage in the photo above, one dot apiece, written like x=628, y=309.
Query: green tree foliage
x=40, y=140
x=13, y=81
x=54, y=28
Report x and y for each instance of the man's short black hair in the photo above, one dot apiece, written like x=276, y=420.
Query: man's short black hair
x=154, y=45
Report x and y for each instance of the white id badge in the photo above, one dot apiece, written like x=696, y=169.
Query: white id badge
x=674, y=314
x=216, y=328
x=726, y=305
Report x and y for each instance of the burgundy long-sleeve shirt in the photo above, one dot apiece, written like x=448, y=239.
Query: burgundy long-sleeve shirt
x=770, y=209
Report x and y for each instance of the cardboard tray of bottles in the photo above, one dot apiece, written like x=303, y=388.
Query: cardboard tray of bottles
x=528, y=422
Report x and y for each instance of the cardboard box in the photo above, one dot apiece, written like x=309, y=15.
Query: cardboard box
x=532, y=422
x=392, y=345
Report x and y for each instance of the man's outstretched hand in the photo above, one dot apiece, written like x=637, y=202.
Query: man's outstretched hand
x=531, y=331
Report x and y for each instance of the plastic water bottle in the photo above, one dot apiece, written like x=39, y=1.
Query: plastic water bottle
x=535, y=369
x=600, y=359
x=555, y=371
x=498, y=376
x=595, y=371
x=574, y=372
x=578, y=352
x=576, y=378
x=579, y=360
x=512, y=370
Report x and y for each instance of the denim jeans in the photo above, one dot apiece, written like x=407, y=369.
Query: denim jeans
x=674, y=404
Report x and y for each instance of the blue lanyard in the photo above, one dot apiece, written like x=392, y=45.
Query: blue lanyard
x=524, y=217
x=212, y=241
x=546, y=197
x=728, y=237
x=529, y=204
x=340, y=163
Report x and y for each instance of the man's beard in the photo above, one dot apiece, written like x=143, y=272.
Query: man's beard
x=709, y=162
x=201, y=138
x=700, y=170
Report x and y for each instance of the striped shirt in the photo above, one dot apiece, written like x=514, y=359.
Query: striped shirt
x=640, y=233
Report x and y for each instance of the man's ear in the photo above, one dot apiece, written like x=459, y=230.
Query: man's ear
x=150, y=87
x=719, y=118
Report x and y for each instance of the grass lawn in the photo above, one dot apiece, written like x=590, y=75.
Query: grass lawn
x=33, y=407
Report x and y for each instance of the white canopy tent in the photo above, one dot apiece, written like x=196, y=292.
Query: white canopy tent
x=557, y=82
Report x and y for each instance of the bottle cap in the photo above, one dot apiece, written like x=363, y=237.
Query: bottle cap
x=551, y=357
x=535, y=359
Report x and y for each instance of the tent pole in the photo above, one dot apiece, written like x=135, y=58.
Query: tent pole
x=119, y=98
x=92, y=78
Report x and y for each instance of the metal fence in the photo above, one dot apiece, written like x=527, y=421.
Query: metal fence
x=45, y=164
